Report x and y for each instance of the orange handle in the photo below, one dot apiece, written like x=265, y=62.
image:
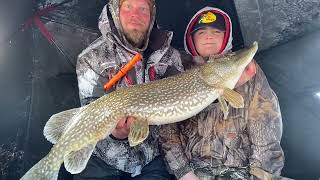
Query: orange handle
x=123, y=71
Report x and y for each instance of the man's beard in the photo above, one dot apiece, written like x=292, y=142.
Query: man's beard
x=135, y=37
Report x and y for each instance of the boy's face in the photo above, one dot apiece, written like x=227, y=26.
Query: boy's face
x=135, y=19
x=208, y=41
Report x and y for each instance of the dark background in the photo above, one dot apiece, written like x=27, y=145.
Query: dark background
x=38, y=79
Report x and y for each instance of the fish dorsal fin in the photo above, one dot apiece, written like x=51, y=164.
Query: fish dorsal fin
x=57, y=123
x=76, y=161
x=234, y=98
x=224, y=107
x=139, y=131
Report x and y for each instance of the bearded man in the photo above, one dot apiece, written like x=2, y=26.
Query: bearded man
x=127, y=28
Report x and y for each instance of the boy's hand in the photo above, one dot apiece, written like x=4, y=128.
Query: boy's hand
x=247, y=74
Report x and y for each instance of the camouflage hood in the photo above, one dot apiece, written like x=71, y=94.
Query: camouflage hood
x=227, y=42
x=110, y=27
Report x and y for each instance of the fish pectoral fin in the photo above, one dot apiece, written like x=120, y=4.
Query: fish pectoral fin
x=76, y=161
x=139, y=131
x=234, y=98
x=57, y=123
x=224, y=107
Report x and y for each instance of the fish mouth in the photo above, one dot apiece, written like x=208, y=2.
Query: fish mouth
x=246, y=55
x=255, y=46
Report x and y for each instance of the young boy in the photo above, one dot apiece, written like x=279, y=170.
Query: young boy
x=247, y=143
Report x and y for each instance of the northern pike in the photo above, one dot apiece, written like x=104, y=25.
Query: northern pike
x=75, y=132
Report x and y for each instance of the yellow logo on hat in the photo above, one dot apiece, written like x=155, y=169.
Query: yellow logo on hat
x=207, y=18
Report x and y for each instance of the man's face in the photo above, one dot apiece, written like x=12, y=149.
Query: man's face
x=208, y=41
x=135, y=20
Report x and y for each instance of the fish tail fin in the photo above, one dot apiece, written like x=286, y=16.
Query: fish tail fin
x=43, y=170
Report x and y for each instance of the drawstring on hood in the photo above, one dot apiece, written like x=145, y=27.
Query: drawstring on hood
x=112, y=29
x=188, y=40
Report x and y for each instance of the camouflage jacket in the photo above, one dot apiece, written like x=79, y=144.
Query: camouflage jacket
x=248, y=140
x=105, y=57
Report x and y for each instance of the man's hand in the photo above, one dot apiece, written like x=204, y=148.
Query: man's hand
x=247, y=74
x=189, y=176
x=123, y=128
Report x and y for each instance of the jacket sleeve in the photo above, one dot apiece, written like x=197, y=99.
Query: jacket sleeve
x=90, y=81
x=264, y=128
x=171, y=146
x=174, y=63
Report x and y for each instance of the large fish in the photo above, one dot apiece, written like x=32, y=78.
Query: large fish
x=75, y=132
